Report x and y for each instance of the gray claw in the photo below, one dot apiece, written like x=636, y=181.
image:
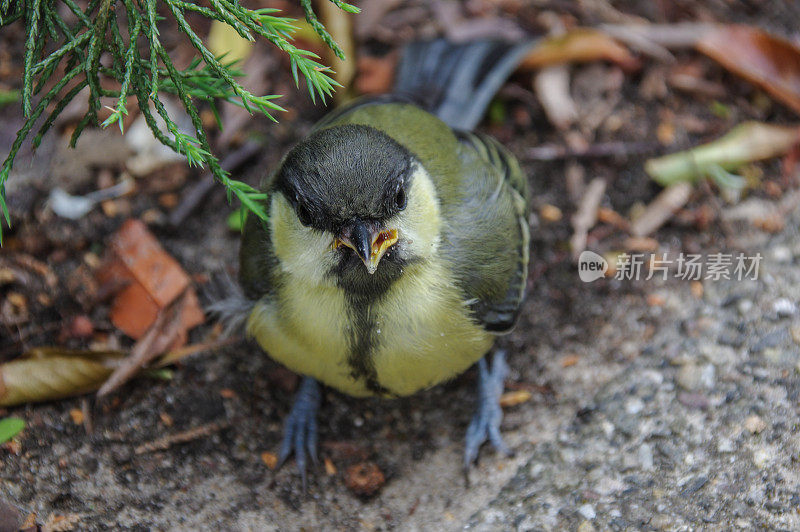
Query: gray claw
x=300, y=428
x=485, y=424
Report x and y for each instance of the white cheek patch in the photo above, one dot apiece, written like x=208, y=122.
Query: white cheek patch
x=304, y=252
x=419, y=224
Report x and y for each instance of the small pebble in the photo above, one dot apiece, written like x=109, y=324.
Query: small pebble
x=784, y=308
x=634, y=405
x=692, y=377
x=781, y=254
x=754, y=424
x=725, y=445
x=646, y=457
x=744, y=306
x=587, y=511
x=707, y=376
x=761, y=458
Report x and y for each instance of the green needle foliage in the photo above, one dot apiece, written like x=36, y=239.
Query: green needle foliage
x=126, y=33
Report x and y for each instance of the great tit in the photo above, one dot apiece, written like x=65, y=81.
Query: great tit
x=396, y=249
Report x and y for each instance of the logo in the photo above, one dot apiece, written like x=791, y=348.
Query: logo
x=591, y=266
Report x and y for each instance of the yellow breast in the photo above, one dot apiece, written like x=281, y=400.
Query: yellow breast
x=422, y=335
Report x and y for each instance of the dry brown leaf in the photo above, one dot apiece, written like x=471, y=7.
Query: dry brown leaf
x=578, y=46
x=44, y=374
x=768, y=61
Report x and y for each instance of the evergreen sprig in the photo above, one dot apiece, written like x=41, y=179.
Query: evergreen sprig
x=141, y=68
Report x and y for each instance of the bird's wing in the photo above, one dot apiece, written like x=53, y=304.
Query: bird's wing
x=487, y=237
x=258, y=264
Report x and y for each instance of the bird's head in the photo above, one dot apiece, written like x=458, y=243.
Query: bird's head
x=353, y=206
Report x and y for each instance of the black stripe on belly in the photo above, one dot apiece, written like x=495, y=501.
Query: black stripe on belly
x=362, y=293
x=363, y=342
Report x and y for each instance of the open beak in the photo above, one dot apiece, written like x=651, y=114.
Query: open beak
x=369, y=243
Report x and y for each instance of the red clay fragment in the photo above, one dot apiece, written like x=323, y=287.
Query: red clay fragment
x=154, y=279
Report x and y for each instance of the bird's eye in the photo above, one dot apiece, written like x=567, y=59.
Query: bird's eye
x=303, y=214
x=400, y=199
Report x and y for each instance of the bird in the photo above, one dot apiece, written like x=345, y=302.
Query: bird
x=396, y=246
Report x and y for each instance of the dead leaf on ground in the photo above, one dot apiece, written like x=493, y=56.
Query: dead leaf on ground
x=44, y=374
x=515, y=398
x=155, y=280
x=768, y=61
x=270, y=459
x=747, y=142
x=579, y=46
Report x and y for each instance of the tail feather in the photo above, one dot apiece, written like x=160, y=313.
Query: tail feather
x=456, y=81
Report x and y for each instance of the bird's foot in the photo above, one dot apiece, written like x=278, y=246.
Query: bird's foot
x=485, y=424
x=300, y=427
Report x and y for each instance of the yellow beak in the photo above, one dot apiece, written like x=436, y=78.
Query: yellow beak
x=369, y=245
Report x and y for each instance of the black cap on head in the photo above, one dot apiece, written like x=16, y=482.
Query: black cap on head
x=343, y=173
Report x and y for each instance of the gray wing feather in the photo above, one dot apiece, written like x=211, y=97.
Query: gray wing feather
x=487, y=237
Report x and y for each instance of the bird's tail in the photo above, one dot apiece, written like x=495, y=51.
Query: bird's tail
x=456, y=81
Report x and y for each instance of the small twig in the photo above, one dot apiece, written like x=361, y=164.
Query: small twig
x=189, y=350
x=159, y=337
x=162, y=444
x=661, y=208
x=656, y=40
x=554, y=152
x=552, y=88
x=586, y=216
x=198, y=192
x=88, y=421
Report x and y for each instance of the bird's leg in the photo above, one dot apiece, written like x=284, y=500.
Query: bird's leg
x=300, y=427
x=485, y=423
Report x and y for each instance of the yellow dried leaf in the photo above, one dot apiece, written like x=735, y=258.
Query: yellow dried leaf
x=47, y=373
x=269, y=459
x=515, y=398
x=330, y=469
x=747, y=142
x=77, y=416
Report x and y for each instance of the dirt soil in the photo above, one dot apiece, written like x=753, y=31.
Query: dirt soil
x=655, y=405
